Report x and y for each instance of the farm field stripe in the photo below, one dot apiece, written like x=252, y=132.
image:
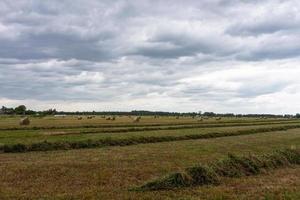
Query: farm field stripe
x=232, y=166
x=67, y=145
x=147, y=125
x=163, y=128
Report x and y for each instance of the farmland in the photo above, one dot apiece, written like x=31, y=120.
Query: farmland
x=67, y=158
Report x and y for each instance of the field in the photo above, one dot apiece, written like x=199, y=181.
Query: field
x=67, y=158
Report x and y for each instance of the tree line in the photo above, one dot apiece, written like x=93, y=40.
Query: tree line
x=22, y=110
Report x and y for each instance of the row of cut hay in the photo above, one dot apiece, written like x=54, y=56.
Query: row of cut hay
x=232, y=166
x=124, y=125
x=157, y=128
x=65, y=145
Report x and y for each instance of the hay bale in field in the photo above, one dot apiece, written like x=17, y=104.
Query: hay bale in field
x=177, y=117
x=218, y=118
x=137, y=119
x=113, y=118
x=108, y=118
x=89, y=117
x=79, y=118
x=199, y=119
x=24, y=121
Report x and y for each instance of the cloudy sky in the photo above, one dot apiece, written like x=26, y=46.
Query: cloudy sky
x=172, y=55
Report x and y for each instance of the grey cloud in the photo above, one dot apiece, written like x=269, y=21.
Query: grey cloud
x=272, y=48
x=174, y=45
x=256, y=27
x=141, y=50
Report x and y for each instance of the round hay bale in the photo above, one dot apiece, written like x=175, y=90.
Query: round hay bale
x=79, y=118
x=137, y=119
x=24, y=121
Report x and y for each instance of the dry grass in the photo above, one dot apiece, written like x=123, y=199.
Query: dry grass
x=72, y=121
x=108, y=173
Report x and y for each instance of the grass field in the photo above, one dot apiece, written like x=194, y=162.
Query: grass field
x=110, y=172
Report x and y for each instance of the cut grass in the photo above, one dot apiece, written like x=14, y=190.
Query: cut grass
x=36, y=136
x=152, y=127
x=66, y=145
x=95, y=173
x=232, y=166
x=53, y=123
x=107, y=173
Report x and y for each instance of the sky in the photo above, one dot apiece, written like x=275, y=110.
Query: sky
x=225, y=56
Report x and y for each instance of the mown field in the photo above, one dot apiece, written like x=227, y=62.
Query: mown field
x=66, y=158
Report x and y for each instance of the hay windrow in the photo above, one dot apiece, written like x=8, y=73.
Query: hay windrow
x=65, y=145
x=232, y=166
x=184, y=125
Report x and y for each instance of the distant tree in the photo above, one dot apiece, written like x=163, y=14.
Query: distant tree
x=209, y=114
x=49, y=112
x=3, y=109
x=298, y=115
x=9, y=111
x=30, y=112
x=20, y=110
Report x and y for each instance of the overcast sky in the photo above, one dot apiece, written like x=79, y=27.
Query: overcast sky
x=171, y=55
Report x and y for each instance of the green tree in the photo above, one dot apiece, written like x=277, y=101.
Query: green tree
x=20, y=110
